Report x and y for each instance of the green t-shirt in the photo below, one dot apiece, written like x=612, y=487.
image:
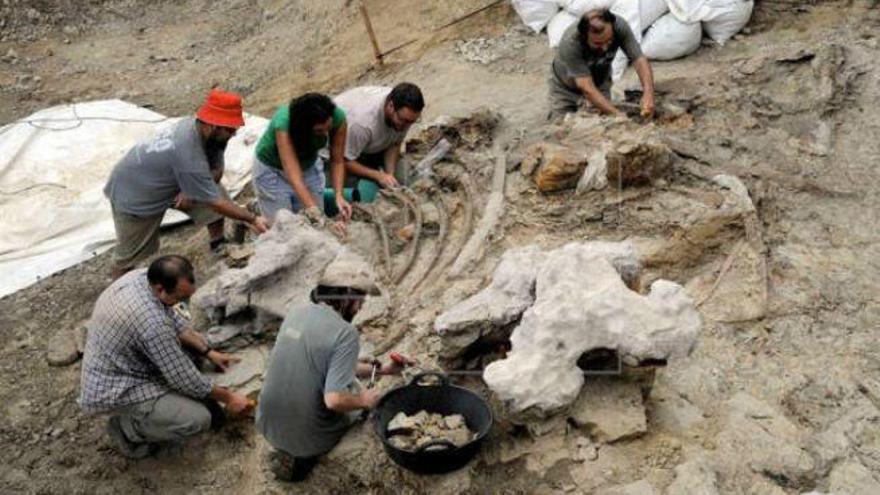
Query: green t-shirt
x=267, y=150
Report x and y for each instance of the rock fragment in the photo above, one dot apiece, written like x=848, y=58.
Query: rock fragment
x=763, y=440
x=852, y=478
x=610, y=410
x=62, y=348
x=424, y=428
x=694, y=477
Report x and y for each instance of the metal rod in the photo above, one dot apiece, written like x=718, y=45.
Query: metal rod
x=376, y=51
x=444, y=26
x=468, y=15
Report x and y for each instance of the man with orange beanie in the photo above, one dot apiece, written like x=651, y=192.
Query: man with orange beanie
x=179, y=168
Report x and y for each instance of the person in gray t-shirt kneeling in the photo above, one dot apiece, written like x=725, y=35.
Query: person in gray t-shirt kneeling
x=581, y=70
x=310, y=388
x=379, y=118
x=180, y=167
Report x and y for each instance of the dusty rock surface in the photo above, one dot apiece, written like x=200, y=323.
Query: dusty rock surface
x=596, y=152
x=786, y=108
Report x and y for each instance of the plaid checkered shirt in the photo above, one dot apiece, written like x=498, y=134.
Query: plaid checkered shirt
x=133, y=353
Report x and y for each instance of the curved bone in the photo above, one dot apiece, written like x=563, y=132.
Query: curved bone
x=383, y=234
x=474, y=249
x=416, y=214
x=443, y=219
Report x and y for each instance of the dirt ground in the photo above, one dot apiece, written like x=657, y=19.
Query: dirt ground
x=790, y=303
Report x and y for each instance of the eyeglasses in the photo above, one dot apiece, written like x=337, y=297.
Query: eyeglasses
x=405, y=121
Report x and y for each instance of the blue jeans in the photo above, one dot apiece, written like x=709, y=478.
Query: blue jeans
x=274, y=192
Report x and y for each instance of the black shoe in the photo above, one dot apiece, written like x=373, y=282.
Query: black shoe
x=290, y=469
x=218, y=246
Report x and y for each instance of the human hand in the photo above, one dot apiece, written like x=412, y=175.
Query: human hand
x=260, y=225
x=181, y=202
x=339, y=229
x=370, y=397
x=397, y=364
x=222, y=360
x=343, y=207
x=647, y=105
x=387, y=180
x=315, y=216
x=238, y=405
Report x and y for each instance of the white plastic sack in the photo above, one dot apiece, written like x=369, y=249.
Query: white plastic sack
x=536, y=14
x=670, y=38
x=650, y=11
x=579, y=7
x=730, y=18
x=53, y=213
x=721, y=18
x=558, y=25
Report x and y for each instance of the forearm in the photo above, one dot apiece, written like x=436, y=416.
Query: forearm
x=221, y=394
x=299, y=186
x=646, y=75
x=337, y=171
x=194, y=340
x=337, y=159
x=392, y=157
x=343, y=402
x=356, y=168
x=598, y=100
x=229, y=209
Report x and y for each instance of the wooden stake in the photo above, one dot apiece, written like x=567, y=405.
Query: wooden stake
x=376, y=51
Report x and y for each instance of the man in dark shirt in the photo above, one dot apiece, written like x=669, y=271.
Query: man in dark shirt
x=310, y=391
x=582, y=66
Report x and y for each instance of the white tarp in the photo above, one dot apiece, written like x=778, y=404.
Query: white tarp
x=53, y=213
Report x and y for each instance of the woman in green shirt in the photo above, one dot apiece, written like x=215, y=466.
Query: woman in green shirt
x=288, y=171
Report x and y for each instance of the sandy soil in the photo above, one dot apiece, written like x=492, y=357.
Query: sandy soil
x=754, y=106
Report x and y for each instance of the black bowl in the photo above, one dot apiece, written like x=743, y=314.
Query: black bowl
x=442, y=398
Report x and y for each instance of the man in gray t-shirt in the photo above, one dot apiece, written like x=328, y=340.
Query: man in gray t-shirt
x=378, y=119
x=581, y=69
x=180, y=167
x=310, y=388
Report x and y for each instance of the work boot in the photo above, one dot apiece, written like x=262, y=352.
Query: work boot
x=122, y=444
x=288, y=468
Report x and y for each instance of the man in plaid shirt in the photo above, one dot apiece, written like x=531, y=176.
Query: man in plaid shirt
x=134, y=365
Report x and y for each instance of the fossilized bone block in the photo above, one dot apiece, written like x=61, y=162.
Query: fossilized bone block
x=512, y=291
x=287, y=264
x=507, y=296
x=582, y=303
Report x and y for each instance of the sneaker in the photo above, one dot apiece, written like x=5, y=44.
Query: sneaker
x=122, y=444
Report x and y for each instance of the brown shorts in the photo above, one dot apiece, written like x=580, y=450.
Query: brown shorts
x=138, y=237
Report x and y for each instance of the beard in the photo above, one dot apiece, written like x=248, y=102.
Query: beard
x=215, y=148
